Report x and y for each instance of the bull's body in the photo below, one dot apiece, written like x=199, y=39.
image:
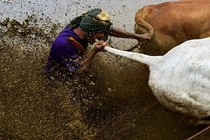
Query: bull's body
x=171, y=23
x=180, y=79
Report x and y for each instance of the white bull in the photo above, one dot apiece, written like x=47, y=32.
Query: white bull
x=180, y=79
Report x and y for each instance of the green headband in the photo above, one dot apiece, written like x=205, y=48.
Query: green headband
x=92, y=22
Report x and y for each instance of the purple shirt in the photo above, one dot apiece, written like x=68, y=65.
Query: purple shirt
x=64, y=54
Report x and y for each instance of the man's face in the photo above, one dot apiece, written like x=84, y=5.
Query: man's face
x=97, y=36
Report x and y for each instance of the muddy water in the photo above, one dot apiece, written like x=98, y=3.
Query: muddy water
x=117, y=102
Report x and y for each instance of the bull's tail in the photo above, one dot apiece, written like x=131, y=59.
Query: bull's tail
x=141, y=22
x=142, y=58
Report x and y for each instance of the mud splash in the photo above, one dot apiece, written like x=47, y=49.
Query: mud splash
x=29, y=108
x=116, y=100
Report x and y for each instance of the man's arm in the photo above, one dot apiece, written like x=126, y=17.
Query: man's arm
x=87, y=61
x=117, y=32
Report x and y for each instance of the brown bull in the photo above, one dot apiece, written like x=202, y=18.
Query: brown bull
x=171, y=23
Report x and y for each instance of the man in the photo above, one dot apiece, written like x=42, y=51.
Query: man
x=67, y=51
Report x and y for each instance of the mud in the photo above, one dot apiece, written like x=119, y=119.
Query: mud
x=117, y=102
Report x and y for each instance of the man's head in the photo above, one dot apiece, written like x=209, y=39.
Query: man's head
x=95, y=23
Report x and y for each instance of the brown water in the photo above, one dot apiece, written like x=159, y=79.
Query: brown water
x=117, y=102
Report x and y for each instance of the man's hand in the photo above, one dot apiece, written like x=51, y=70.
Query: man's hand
x=99, y=45
x=86, y=62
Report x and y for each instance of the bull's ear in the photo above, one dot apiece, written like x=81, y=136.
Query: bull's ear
x=104, y=16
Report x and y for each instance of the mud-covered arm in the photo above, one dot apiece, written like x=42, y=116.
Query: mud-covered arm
x=87, y=60
x=117, y=32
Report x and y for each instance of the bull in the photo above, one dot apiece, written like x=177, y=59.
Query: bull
x=171, y=23
x=180, y=79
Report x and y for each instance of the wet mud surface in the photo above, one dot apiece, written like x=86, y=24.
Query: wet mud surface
x=117, y=103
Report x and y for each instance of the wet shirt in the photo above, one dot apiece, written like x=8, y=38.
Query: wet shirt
x=64, y=54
